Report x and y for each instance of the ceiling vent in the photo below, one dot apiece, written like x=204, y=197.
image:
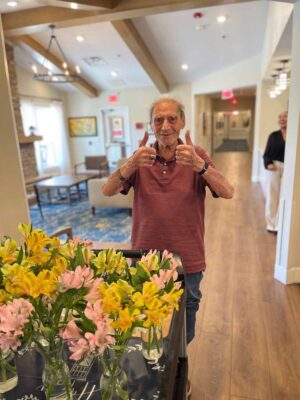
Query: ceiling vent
x=117, y=83
x=95, y=61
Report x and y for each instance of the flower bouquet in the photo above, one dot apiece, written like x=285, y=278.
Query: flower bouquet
x=53, y=293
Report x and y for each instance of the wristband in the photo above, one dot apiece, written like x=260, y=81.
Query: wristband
x=204, y=169
x=120, y=176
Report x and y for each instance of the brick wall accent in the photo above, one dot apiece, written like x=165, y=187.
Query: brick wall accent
x=27, y=150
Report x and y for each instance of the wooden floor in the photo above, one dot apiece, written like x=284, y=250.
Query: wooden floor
x=247, y=343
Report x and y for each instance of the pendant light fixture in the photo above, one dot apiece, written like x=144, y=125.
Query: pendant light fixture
x=43, y=72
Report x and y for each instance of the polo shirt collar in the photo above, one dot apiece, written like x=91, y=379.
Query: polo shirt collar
x=161, y=159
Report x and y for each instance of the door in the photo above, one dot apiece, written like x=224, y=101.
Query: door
x=115, y=123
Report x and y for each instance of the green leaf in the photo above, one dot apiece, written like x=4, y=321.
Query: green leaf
x=79, y=259
x=20, y=256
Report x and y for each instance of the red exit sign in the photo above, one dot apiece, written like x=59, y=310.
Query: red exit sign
x=227, y=94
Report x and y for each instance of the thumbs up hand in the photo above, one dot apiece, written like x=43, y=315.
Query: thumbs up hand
x=144, y=156
x=186, y=154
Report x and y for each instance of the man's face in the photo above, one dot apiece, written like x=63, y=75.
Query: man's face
x=282, y=120
x=167, y=123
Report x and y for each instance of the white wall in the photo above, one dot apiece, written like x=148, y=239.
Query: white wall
x=137, y=100
x=278, y=15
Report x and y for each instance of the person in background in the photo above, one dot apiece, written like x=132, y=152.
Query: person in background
x=273, y=160
x=169, y=181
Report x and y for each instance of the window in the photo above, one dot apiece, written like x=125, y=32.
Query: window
x=46, y=117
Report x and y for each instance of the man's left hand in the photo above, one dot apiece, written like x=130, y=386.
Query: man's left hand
x=186, y=154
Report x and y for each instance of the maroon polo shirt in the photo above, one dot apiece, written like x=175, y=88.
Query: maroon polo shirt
x=168, y=210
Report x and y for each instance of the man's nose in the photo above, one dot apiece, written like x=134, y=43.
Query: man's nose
x=166, y=124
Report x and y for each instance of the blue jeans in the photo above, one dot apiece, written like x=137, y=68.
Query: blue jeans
x=193, y=297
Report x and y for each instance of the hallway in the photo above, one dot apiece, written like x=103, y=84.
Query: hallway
x=247, y=341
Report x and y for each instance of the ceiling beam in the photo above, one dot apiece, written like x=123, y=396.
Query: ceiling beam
x=135, y=43
x=37, y=19
x=96, y=3
x=37, y=49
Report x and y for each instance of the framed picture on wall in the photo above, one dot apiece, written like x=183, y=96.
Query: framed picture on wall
x=82, y=126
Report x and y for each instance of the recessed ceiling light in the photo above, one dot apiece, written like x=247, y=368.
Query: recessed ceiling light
x=184, y=67
x=80, y=38
x=221, y=19
x=114, y=73
x=74, y=6
x=12, y=3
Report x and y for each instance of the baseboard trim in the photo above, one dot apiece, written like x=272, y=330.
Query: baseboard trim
x=287, y=276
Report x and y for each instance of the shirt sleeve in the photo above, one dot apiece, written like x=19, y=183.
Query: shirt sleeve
x=268, y=151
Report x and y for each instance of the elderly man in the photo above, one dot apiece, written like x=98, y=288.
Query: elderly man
x=273, y=161
x=169, y=181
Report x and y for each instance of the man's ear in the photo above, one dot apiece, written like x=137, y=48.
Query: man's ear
x=182, y=120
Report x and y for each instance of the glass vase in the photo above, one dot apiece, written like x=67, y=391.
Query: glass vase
x=8, y=371
x=152, y=343
x=113, y=380
x=55, y=377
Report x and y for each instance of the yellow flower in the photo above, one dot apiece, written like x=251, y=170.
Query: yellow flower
x=60, y=264
x=9, y=251
x=155, y=317
x=46, y=284
x=110, y=261
x=125, y=319
x=18, y=281
x=115, y=295
x=172, y=298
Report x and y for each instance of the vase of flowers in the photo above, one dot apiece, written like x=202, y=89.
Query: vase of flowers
x=152, y=342
x=113, y=380
x=55, y=377
x=8, y=371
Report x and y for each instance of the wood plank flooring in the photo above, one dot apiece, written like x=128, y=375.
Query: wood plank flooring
x=247, y=343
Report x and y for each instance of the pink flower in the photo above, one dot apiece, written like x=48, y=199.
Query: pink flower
x=86, y=243
x=94, y=293
x=9, y=341
x=100, y=340
x=13, y=317
x=94, y=312
x=71, y=331
x=81, y=277
x=166, y=255
x=80, y=348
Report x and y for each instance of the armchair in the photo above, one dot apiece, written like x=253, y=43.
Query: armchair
x=97, y=199
x=94, y=166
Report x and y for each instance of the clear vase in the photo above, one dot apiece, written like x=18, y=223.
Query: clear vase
x=56, y=376
x=113, y=380
x=152, y=343
x=8, y=371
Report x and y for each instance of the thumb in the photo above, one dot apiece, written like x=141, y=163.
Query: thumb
x=144, y=140
x=188, y=139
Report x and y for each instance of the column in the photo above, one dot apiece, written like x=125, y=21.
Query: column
x=287, y=264
x=13, y=201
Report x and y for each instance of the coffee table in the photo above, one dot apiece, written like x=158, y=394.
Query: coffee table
x=65, y=182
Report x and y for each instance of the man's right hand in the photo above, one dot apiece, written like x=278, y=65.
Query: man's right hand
x=271, y=167
x=144, y=156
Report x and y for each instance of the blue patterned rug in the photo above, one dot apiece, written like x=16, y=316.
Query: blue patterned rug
x=107, y=225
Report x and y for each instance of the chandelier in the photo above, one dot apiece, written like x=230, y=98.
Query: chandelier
x=43, y=72
x=280, y=79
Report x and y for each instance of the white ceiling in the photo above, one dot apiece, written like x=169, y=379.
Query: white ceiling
x=172, y=39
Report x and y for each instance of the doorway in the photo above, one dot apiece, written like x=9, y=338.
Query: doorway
x=115, y=123
x=231, y=130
